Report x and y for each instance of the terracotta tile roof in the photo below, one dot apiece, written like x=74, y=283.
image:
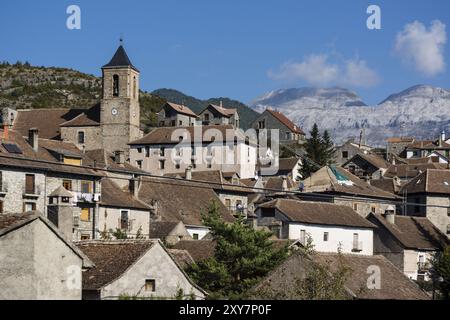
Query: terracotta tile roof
x=114, y=196
x=192, y=199
x=161, y=229
x=170, y=135
x=198, y=249
x=410, y=171
x=374, y=160
x=318, y=213
x=413, y=232
x=280, y=284
x=47, y=121
x=284, y=120
x=223, y=111
x=430, y=181
x=111, y=259
x=325, y=180
x=88, y=118
x=181, y=109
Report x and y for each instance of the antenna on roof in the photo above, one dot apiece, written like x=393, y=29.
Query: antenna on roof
x=121, y=39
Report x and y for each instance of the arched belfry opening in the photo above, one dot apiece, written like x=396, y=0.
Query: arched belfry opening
x=115, y=85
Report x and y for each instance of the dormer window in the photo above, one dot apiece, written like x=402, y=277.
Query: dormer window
x=115, y=85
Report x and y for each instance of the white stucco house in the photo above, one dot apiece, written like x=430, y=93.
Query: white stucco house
x=330, y=227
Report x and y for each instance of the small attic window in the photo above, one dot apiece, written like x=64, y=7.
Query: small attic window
x=12, y=148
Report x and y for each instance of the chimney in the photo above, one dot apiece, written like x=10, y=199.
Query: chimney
x=33, y=138
x=189, y=173
x=119, y=157
x=134, y=186
x=221, y=103
x=5, y=132
x=284, y=185
x=389, y=214
x=442, y=136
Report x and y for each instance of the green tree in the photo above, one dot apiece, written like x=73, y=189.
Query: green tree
x=441, y=272
x=328, y=149
x=242, y=256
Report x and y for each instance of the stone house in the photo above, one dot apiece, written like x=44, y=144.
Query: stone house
x=396, y=147
x=281, y=283
x=338, y=186
x=290, y=167
x=428, y=195
x=348, y=150
x=36, y=260
x=408, y=242
x=175, y=115
x=330, y=227
x=204, y=148
x=218, y=115
x=192, y=198
x=275, y=120
x=366, y=166
x=134, y=268
x=425, y=148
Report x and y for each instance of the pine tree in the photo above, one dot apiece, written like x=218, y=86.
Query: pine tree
x=241, y=257
x=328, y=149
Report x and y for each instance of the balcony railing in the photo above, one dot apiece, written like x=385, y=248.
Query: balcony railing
x=238, y=210
x=85, y=197
x=32, y=190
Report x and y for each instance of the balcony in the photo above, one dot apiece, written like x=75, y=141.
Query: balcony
x=238, y=211
x=80, y=197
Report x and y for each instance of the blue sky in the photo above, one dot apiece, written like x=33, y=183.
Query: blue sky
x=240, y=49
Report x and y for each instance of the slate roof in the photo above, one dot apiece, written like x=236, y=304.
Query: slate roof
x=325, y=180
x=318, y=213
x=161, y=229
x=416, y=233
x=112, y=259
x=163, y=135
x=192, y=199
x=120, y=59
x=280, y=284
x=285, y=120
x=199, y=250
x=114, y=196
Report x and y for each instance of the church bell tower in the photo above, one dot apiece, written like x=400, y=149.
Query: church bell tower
x=120, y=112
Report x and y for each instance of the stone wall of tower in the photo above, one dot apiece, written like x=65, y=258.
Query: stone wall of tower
x=120, y=115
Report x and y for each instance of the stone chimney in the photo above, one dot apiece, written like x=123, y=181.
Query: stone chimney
x=134, y=186
x=389, y=214
x=119, y=157
x=61, y=211
x=284, y=185
x=442, y=138
x=188, y=175
x=33, y=138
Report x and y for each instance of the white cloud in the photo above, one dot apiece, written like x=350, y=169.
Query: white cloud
x=423, y=48
x=317, y=70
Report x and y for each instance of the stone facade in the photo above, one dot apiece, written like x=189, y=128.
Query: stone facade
x=364, y=207
x=35, y=264
x=92, y=137
x=111, y=218
x=267, y=121
x=168, y=117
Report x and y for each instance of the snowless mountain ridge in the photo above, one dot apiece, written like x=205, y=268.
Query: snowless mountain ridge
x=421, y=111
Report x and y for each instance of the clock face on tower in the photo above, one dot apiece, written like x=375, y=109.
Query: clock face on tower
x=114, y=111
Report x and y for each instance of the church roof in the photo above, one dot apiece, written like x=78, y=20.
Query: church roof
x=120, y=59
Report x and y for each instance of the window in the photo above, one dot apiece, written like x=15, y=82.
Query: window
x=345, y=154
x=206, y=117
x=29, y=206
x=180, y=123
x=162, y=151
x=325, y=236
x=134, y=87
x=124, y=223
x=115, y=85
x=147, y=152
x=67, y=184
x=172, y=123
x=195, y=236
x=374, y=209
x=288, y=135
x=356, y=244
x=150, y=285
x=139, y=164
x=303, y=236
x=84, y=216
x=29, y=184
x=1, y=206
x=1, y=182
x=355, y=206
x=86, y=187
x=162, y=164
x=262, y=124
x=139, y=150
x=81, y=137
